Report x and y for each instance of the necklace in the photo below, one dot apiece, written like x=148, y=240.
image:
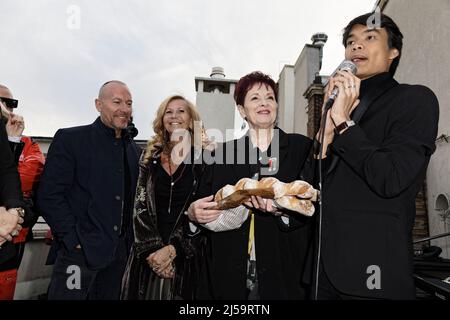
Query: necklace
x=172, y=182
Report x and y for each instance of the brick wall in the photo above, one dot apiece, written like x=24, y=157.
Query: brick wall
x=314, y=96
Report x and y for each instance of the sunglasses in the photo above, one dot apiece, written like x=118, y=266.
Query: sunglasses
x=10, y=103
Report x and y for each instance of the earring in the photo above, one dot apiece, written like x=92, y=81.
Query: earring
x=244, y=124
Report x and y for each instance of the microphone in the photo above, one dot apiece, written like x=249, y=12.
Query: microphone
x=131, y=130
x=346, y=65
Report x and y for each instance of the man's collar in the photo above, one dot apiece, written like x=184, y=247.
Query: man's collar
x=373, y=82
x=109, y=131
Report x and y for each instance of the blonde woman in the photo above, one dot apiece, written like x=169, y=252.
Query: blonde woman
x=163, y=251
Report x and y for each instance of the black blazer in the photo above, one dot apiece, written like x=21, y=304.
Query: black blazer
x=82, y=188
x=369, y=196
x=280, y=249
x=10, y=190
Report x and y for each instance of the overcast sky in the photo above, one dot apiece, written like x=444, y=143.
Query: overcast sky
x=55, y=66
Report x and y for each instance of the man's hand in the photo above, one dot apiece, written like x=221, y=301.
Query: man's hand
x=9, y=224
x=15, y=125
x=344, y=104
x=198, y=210
x=347, y=99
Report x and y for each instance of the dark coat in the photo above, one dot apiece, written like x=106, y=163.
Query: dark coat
x=82, y=188
x=280, y=248
x=10, y=191
x=139, y=281
x=12, y=252
x=369, y=193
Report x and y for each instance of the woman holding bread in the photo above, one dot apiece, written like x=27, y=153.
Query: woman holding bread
x=160, y=266
x=255, y=250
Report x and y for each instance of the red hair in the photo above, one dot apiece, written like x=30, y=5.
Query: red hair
x=247, y=82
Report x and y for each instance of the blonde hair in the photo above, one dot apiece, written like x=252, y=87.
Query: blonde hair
x=161, y=140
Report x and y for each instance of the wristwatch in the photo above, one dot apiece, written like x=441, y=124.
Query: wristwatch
x=344, y=125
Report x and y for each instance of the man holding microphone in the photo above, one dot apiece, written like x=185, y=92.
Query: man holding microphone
x=378, y=140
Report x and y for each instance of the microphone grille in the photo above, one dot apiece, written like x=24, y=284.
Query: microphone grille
x=349, y=66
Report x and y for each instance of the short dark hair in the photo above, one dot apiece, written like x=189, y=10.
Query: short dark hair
x=395, y=37
x=247, y=82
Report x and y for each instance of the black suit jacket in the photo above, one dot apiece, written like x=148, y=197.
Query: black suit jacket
x=369, y=196
x=10, y=190
x=280, y=249
x=81, y=193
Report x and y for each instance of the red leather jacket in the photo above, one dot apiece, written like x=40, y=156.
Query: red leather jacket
x=31, y=165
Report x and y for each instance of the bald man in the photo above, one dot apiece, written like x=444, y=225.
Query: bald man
x=86, y=196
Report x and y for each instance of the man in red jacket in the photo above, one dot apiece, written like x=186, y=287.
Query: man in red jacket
x=30, y=167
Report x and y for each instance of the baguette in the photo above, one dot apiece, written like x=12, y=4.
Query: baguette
x=293, y=203
x=294, y=196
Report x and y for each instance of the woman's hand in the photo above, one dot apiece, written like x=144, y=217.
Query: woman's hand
x=160, y=259
x=198, y=210
x=167, y=273
x=262, y=204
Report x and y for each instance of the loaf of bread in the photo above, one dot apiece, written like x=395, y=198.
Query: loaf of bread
x=293, y=203
x=294, y=196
